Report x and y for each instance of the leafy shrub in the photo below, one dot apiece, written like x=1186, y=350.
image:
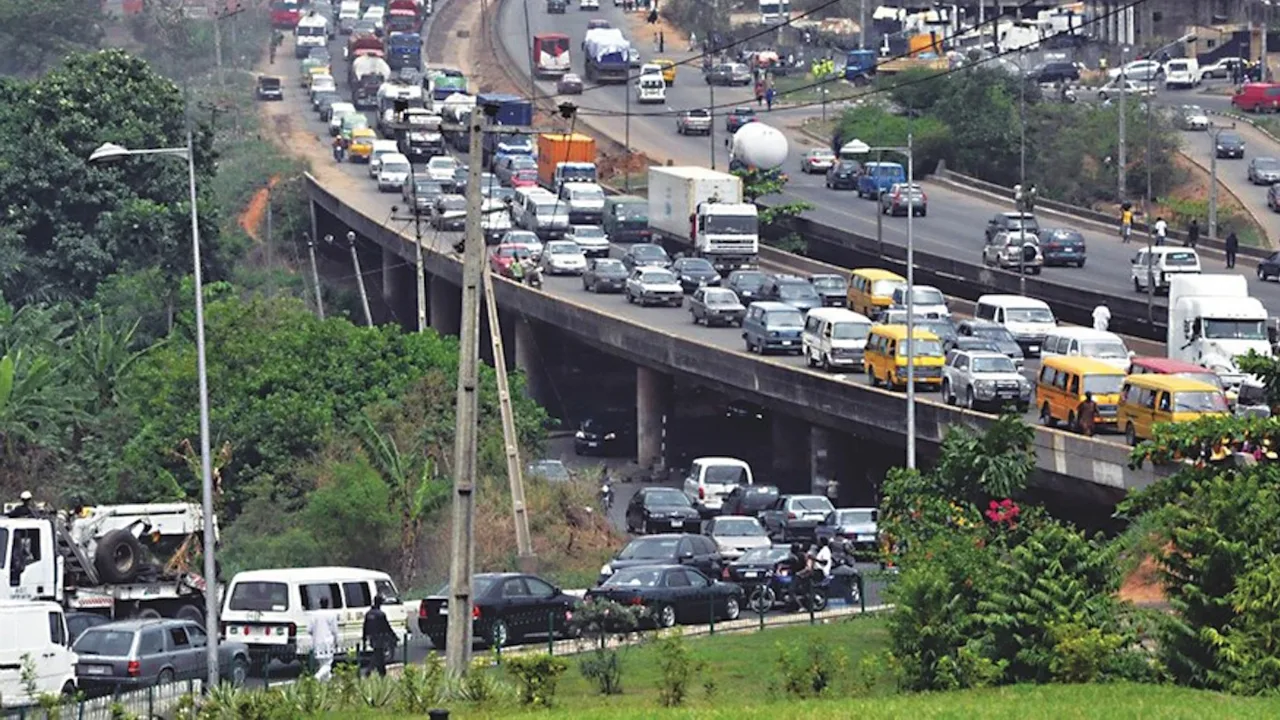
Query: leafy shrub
x=1081, y=654
x=809, y=670
x=604, y=668
x=538, y=676
x=595, y=621
x=678, y=666
x=420, y=685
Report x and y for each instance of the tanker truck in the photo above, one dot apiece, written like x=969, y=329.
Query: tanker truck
x=117, y=560
x=694, y=208
x=366, y=75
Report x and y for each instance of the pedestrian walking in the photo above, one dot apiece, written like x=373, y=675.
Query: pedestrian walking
x=323, y=627
x=1193, y=233
x=662, y=41
x=378, y=637
x=693, y=42
x=1162, y=230
x=1101, y=317
x=759, y=93
x=1233, y=247
x=1087, y=414
x=1126, y=222
x=768, y=96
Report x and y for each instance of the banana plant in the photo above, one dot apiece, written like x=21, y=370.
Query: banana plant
x=35, y=405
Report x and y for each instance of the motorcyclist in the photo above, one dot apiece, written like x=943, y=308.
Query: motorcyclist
x=517, y=270
x=533, y=273
x=822, y=561
x=606, y=488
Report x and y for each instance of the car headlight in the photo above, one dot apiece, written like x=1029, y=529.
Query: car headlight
x=611, y=436
x=606, y=570
x=984, y=384
x=580, y=435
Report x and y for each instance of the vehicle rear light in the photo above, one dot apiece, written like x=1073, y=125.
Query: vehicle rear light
x=422, y=609
x=702, y=493
x=637, y=601
x=725, y=573
x=134, y=668
x=293, y=631
x=475, y=612
x=791, y=516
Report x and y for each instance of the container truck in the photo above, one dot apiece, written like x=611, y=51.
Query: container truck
x=701, y=209
x=117, y=560
x=513, y=111
x=1212, y=321
x=608, y=56
x=405, y=16
x=556, y=149
x=551, y=54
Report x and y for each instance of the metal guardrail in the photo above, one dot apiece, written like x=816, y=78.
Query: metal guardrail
x=155, y=701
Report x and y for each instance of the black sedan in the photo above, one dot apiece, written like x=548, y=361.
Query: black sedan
x=694, y=273
x=609, y=433
x=749, y=500
x=645, y=255
x=509, y=607
x=672, y=594
x=1269, y=268
x=1230, y=145
x=755, y=564
x=1063, y=247
x=660, y=508
x=697, y=551
x=604, y=275
x=844, y=175
x=747, y=284
x=716, y=306
x=833, y=289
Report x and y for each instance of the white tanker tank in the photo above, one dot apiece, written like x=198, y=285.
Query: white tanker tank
x=758, y=146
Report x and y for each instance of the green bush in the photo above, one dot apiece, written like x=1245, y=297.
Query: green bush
x=678, y=667
x=810, y=670
x=537, y=675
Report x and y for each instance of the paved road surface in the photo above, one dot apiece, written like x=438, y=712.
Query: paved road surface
x=955, y=223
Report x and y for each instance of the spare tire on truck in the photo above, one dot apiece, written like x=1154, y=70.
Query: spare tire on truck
x=118, y=557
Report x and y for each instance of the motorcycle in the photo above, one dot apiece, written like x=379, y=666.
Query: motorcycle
x=606, y=496
x=794, y=595
x=533, y=278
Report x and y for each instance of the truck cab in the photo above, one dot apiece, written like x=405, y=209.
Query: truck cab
x=728, y=234
x=1212, y=321
x=878, y=177
x=860, y=66
x=34, y=569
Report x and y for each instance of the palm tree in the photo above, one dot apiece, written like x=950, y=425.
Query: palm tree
x=35, y=402
x=410, y=478
x=103, y=355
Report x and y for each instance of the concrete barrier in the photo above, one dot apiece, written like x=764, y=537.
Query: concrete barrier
x=1081, y=466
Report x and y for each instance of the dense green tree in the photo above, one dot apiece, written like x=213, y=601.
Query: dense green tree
x=70, y=223
x=33, y=34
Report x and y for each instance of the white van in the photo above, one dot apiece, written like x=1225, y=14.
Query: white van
x=312, y=31
x=380, y=148
x=1164, y=262
x=1028, y=319
x=1181, y=73
x=34, y=632
x=711, y=479
x=651, y=89
x=1100, y=345
x=835, y=338
x=269, y=610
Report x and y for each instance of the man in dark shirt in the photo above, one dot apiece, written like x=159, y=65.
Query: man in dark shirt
x=378, y=636
x=25, y=509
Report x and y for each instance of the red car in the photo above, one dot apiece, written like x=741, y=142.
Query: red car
x=524, y=178
x=503, y=256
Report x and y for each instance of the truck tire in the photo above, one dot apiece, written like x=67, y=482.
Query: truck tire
x=118, y=556
x=190, y=612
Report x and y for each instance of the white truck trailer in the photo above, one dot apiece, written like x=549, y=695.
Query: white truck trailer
x=1212, y=321
x=117, y=560
x=703, y=210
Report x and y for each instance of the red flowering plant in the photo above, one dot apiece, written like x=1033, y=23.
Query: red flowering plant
x=1003, y=513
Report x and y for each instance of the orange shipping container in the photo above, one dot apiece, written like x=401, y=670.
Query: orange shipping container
x=556, y=148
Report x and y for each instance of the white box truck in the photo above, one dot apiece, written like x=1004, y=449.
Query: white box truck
x=703, y=209
x=1212, y=321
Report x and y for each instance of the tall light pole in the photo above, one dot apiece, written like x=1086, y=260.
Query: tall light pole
x=1120, y=153
x=858, y=147
x=111, y=151
x=1146, y=210
x=1022, y=119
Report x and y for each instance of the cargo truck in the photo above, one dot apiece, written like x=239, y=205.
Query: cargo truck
x=1212, y=321
x=607, y=56
x=557, y=151
x=405, y=16
x=121, y=561
x=404, y=50
x=703, y=210
x=513, y=111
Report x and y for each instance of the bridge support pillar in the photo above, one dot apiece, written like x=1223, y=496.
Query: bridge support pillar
x=822, y=475
x=792, y=458
x=390, y=293
x=444, y=306
x=653, y=410
x=529, y=360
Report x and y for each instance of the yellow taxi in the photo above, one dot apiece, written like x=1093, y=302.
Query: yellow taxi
x=1063, y=382
x=886, y=356
x=352, y=122
x=871, y=290
x=668, y=70
x=1148, y=400
x=361, y=148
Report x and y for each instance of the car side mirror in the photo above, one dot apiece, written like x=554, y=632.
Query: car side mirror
x=686, y=555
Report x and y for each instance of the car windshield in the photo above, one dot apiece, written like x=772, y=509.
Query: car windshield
x=427, y=188
x=720, y=297
x=1227, y=138
x=747, y=279
x=992, y=332
x=821, y=154
x=731, y=224
x=518, y=251
x=453, y=203
x=259, y=596
x=1199, y=401
x=610, y=266
x=666, y=498
x=738, y=527
x=588, y=233
x=928, y=296
x=657, y=277
x=812, y=503
x=634, y=212
x=695, y=265
x=585, y=193
x=104, y=641
x=1102, y=384
x=1000, y=364
x=650, y=548
x=649, y=252
x=923, y=348
x=520, y=238
x=786, y=319
x=480, y=585
x=396, y=166
x=725, y=474
x=1266, y=163
x=548, y=209
x=1180, y=259
x=884, y=288
x=797, y=291
x=1235, y=330
x=1028, y=315
x=762, y=556
x=523, y=162
x=830, y=282
x=1103, y=349
x=941, y=328
x=563, y=248
x=855, y=517
x=849, y=331
x=634, y=578
x=1205, y=377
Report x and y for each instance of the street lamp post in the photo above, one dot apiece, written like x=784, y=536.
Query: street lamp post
x=1022, y=119
x=1120, y=152
x=111, y=151
x=858, y=147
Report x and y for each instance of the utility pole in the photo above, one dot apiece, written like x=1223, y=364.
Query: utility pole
x=862, y=24
x=1124, y=94
x=515, y=475
x=463, y=556
x=911, y=305
x=355, y=263
x=1022, y=119
x=711, y=87
x=217, y=46
x=1146, y=212
x=315, y=273
x=626, y=175
x=1214, y=132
